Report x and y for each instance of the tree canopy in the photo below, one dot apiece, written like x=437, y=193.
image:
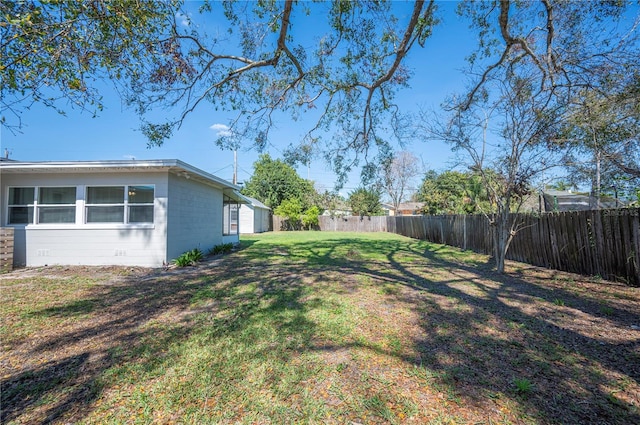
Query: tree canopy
x=55, y=52
x=273, y=181
x=452, y=192
x=340, y=62
x=364, y=201
x=344, y=70
x=398, y=176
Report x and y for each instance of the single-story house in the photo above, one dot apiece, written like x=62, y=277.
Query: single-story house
x=387, y=209
x=255, y=217
x=134, y=212
x=338, y=209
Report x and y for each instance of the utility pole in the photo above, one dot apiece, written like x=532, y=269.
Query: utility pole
x=235, y=166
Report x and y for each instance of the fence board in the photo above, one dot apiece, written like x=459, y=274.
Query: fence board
x=6, y=249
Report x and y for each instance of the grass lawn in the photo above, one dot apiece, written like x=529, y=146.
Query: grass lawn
x=319, y=327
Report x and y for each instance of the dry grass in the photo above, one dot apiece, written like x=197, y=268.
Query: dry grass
x=319, y=328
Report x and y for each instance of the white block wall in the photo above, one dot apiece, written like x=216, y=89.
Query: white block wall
x=90, y=244
x=194, y=216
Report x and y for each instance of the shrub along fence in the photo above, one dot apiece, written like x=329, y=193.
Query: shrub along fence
x=602, y=243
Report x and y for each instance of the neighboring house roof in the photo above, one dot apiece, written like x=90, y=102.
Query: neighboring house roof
x=339, y=208
x=254, y=202
x=410, y=206
x=174, y=166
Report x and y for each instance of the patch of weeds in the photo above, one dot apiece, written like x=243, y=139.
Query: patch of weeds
x=524, y=387
x=516, y=325
x=445, y=418
x=224, y=248
x=570, y=359
x=624, y=383
x=440, y=381
x=606, y=310
x=389, y=289
x=363, y=279
x=395, y=344
x=408, y=407
x=559, y=302
x=353, y=254
x=189, y=258
x=611, y=398
x=494, y=395
x=378, y=406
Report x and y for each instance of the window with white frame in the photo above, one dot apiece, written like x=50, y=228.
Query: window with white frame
x=140, y=204
x=46, y=205
x=119, y=204
x=56, y=205
x=230, y=217
x=21, y=205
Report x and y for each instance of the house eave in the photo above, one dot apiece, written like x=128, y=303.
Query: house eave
x=174, y=166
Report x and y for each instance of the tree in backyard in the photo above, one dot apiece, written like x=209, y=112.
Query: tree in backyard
x=523, y=123
x=332, y=203
x=561, y=185
x=558, y=39
x=398, y=176
x=310, y=217
x=452, y=192
x=274, y=181
x=601, y=135
x=532, y=59
x=365, y=201
x=291, y=210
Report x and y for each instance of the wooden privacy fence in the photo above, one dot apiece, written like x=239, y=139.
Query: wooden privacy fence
x=6, y=249
x=602, y=243
x=340, y=224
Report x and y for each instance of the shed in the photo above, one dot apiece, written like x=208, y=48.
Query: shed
x=255, y=217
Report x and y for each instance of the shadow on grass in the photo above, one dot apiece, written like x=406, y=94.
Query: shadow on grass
x=570, y=374
x=138, y=329
x=466, y=310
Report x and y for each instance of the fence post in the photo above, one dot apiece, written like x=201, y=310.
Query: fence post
x=464, y=232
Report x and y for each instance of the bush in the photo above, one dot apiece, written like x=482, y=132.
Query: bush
x=310, y=217
x=224, y=248
x=291, y=209
x=189, y=258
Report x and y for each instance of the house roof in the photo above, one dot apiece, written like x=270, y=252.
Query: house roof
x=174, y=166
x=255, y=203
x=403, y=206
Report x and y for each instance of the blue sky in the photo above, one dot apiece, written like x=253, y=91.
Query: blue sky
x=113, y=135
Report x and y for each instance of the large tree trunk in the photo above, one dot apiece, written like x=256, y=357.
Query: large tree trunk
x=502, y=236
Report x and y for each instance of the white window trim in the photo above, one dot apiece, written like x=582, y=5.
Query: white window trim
x=36, y=204
x=125, y=205
x=80, y=204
